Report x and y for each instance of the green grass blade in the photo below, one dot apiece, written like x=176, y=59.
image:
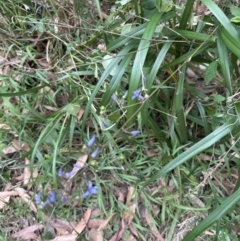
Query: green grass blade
x=231, y=42
x=187, y=34
x=23, y=92
x=186, y=14
x=135, y=79
x=188, y=55
x=116, y=79
x=104, y=76
x=195, y=149
x=224, y=61
x=222, y=18
x=161, y=56
x=216, y=215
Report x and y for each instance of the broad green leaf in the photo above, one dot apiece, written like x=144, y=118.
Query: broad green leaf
x=149, y=4
x=235, y=19
x=235, y=11
x=219, y=98
x=106, y=61
x=211, y=72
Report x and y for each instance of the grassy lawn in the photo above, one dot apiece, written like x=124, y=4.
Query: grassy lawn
x=119, y=120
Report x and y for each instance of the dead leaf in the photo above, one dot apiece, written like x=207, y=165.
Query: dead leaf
x=28, y=233
x=20, y=145
x=99, y=224
x=51, y=108
x=63, y=227
x=94, y=223
x=83, y=222
x=127, y=216
x=80, y=114
x=2, y=60
x=95, y=235
x=27, y=173
x=70, y=237
x=25, y=197
x=152, y=226
x=9, y=149
x=195, y=200
x=133, y=230
x=131, y=238
x=96, y=212
x=105, y=223
x=4, y=127
x=118, y=235
x=130, y=194
x=78, y=165
x=5, y=197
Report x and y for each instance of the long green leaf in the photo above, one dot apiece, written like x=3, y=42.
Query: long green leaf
x=231, y=42
x=195, y=149
x=186, y=14
x=116, y=79
x=104, y=76
x=157, y=64
x=224, y=61
x=214, y=216
x=222, y=18
x=23, y=92
x=135, y=79
x=187, y=34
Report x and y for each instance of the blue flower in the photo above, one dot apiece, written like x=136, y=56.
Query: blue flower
x=77, y=166
x=114, y=97
x=52, y=197
x=63, y=199
x=91, y=141
x=134, y=133
x=46, y=203
x=60, y=172
x=95, y=153
x=91, y=190
x=38, y=198
x=69, y=174
x=137, y=95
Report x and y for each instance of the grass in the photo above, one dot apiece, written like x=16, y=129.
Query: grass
x=157, y=90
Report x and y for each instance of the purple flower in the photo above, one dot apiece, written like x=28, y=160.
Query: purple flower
x=52, y=197
x=69, y=174
x=38, y=198
x=105, y=124
x=91, y=190
x=63, y=199
x=77, y=166
x=60, y=172
x=114, y=97
x=46, y=203
x=134, y=133
x=91, y=141
x=122, y=102
x=95, y=153
x=137, y=95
